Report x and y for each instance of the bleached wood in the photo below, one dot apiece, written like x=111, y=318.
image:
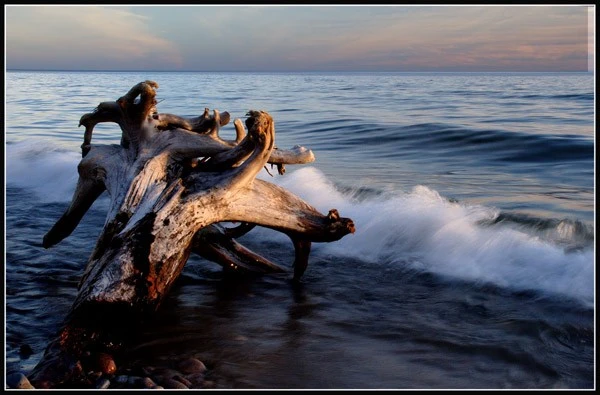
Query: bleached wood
x=171, y=182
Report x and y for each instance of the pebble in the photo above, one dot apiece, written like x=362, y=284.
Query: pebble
x=25, y=351
x=121, y=379
x=102, y=383
x=105, y=363
x=134, y=380
x=185, y=374
x=164, y=372
x=173, y=384
x=147, y=382
x=209, y=384
x=196, y=378
x=18, y=381
x=182, y=380
x=191, y=365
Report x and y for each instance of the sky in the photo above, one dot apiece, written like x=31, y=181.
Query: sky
x=300, y=38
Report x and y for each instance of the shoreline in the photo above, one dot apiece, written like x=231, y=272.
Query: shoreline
x=167, y=373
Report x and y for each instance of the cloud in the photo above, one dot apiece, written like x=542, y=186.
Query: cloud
x=591, y=38
x=493, y=38
x=85, y=36
x=272, y=38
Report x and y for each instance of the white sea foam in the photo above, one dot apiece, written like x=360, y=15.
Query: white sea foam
x=417, y=229
x=44, y=168
x=427, y=232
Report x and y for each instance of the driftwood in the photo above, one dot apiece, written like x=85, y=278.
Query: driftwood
x=173, y=184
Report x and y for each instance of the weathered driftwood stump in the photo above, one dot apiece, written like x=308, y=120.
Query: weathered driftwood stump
x=173, y=182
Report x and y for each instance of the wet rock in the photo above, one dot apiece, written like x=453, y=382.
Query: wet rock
x=209, y=384
x=191, y=365
x=196, y=379
x=182, y=380
x=18, y=381
x=105, y=363
x=147, y=382
x=25, y=351
x=102, y=383
x=121, y=379
x=134, y=381
x=164, y=372
x=173, y=384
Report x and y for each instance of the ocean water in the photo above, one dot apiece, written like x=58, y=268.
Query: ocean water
x=472, y=265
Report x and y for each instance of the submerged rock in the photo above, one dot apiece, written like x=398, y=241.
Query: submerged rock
x=18, y=381
x=173, y=384
x=209, y=384
x=182, y=380
x=147, y=382
x=25, y=351
x=121, y=379
x=164, y=372
x=191, y=365
x=197, y=379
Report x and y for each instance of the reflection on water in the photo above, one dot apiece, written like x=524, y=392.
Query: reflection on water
x=410, y=331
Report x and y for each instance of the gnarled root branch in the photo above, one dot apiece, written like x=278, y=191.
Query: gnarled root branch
x=162, y=208
x=213, y=243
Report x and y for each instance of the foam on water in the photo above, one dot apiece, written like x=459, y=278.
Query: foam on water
x=44, y=168
x=422, y=230
x=414, y=230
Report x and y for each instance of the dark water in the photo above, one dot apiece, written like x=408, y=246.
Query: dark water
x=473, y=261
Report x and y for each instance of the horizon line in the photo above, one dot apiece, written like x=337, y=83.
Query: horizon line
x=297, y=71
